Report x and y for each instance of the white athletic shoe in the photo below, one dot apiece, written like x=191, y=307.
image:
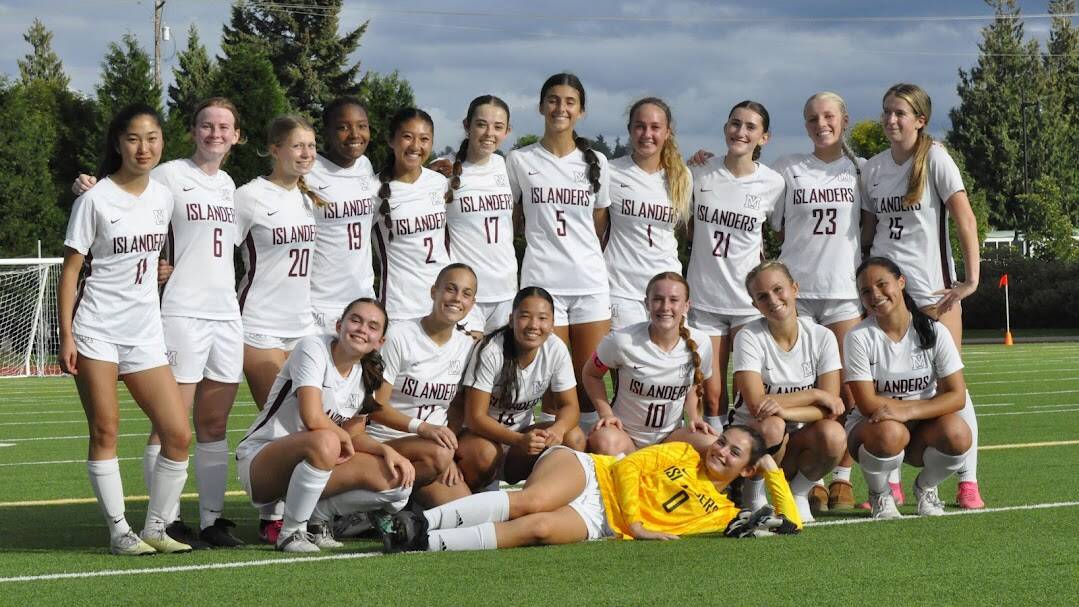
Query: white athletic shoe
x=130, y=544
x=322, y=536
x=882, y=506
x=929, y=503
x=160, y=541
x=804, y=511
x=299, y=541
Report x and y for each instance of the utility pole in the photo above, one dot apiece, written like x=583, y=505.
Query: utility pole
x=159, y=9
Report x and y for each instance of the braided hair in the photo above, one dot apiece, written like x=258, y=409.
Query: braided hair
x=507, y=376
x=462, y=151
x=279, y=130
x=585, y=146
x=371, y=365
x=683, y=330
x=923, y=324
x=761, y=111
x=386, y=173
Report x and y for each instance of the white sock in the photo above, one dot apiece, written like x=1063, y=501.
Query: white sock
x=876, y=469
x=272, y=512
x=800, y=485
x=304, y=488
x=896, y=476
x=149, y=460
x=841, y=473
x=488, y=507
x=109, y=490
x=544, y=417
x=477, y=537
x=968, y=472
x=938, y=467
x=168, y=483
x=360, y=500
x=715, y=421
x=753, y=494
x=587, y=420
x=819, y=483
x=211, y=474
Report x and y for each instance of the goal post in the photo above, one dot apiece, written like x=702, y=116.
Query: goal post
x=29, y=330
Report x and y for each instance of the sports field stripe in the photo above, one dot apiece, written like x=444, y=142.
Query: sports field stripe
x=62, y=461
x=70, y=501
x=1025, y=412
x=991, y=373
x=1052, y=443
x=83, y=420
x=911, y=517
x=1021, y=393
x=1012, y=381
x=84, y=436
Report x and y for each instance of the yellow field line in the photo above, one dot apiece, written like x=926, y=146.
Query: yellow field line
x=1054, y=443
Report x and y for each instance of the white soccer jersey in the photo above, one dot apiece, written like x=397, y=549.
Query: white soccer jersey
x=278, y=232
x=728, y=239
x=425, y=376
x=650, y=384
x=412, y=259
x=201, y=241
x=820, y=217
x=901, y=370
x=815, y=353
x=552, y=368
x=341, y=268
x=641, y=243
x=563, y=253
x=915, y=238
x=309, y=365
x=480, y=228
x=121, y=237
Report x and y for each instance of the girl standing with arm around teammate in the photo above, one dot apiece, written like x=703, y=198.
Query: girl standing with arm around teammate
x=479, y=204
x=410, y=230
x=110, y=325
x=911, y=189
x=562, y=187
x=509, y=373
x=659, y=369
x=650, y=196
x=732, y=198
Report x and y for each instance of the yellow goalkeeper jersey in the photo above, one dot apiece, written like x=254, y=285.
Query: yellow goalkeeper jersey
x=666, y=488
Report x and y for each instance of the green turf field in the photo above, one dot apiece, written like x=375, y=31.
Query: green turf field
x=1024, y=549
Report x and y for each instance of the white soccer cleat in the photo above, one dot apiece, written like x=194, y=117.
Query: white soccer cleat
x=130, y=544
x=160, y=541
x=300, y=541
x=322, y=536
x=929, y=503
x=883, y=506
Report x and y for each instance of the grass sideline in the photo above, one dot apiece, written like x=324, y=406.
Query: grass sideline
x=1027, y=394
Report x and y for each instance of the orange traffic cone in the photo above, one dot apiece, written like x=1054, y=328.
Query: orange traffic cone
x=1008, y=338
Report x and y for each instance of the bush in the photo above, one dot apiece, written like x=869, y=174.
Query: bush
x=1044, y=295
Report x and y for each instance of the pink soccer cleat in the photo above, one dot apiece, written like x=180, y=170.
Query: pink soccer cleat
x=968, y=497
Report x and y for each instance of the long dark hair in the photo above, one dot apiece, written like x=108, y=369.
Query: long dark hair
x=923, y=324
x=757, y=449
x=111, y=160
x=582, y=144
x=385, y=175
x=462, y=151
x=371, y=364
x=507, y=376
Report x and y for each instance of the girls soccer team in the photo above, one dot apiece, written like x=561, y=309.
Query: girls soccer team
x=428, y=392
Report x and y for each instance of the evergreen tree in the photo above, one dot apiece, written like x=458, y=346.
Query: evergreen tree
x=247, y=78
x=126, y=78
x=1061, y=106
x=1048, y=229
x=600, y=145
x=193, y=82
x=43, y=64
x=867, y=139
x=383, y=95
x=525, y=140
x=620, y=149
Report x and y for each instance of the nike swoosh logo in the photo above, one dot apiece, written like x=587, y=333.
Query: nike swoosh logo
x=189, y=189
x=533, y=172
x=875, y=184
x=796, y=176
x=623, y=185
x=115, y=220
x=271, y=213
x=704, y=190
x=322, y=187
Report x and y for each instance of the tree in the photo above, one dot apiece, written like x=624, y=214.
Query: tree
x=1048, y=228
x=193, y=83
x=43, y=64
x=300, y=39
x=525, y=140
x=247, y=78
x=620, y=149
x=600, y=145
x=383, y=95
x=1061, y=105
x=867, y=139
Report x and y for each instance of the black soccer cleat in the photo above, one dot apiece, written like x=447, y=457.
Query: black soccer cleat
x=219, y=535
x=179, y=531
x=402, y=532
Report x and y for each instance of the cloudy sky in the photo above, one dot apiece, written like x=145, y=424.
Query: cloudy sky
x=702, y=57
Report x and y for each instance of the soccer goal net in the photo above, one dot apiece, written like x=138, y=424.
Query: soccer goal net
x=29, y=334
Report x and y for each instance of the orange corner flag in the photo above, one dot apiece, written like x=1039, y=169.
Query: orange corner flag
x=1003, y=281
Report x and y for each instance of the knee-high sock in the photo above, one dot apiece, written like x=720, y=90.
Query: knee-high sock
x=211, y=474
x=149, y=461
x=488, y=507
x=800, y=485
x=477, y=537
x=304, y=489
x=753, y=495
x=272, y=512
x=938, y=467
x=360, y=500
x=109, y=490
x=168, y=483
x=896, y=476
x=969, y=470
x=876, y=469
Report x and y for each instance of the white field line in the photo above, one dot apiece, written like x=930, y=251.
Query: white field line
x=1026, y=412
x=83, y=421
x=359, y=555
x=84, y=436
x=62, y=461
x=1022, y=394
x=982, y=405
x=1012, y=381
x=1052, y=443
x=1027, y=372
x=69, y=501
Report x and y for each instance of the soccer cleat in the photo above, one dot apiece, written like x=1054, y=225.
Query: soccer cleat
x=130, y=544
x=818, y=500
x=300, y=541
x=162, y=542
x=269, y=531
x=897, y=493
x=179, y=531
x=929, y=503
x=322, y=535
x=219, y=535
x=840, y=496
x=403, y=531
x=355, y=524
x=883, y=506
x=968, y=497
x=804, y=509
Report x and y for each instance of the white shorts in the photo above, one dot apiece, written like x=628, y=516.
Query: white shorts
x=128, y=359
x=270, y=342
x=488, y=316
x=589, y=503
x=829, y=311
x=855, y=418
x=243, y=470
x=715, y=324
x=626, y=312
x=198, y=348
x=581, y=309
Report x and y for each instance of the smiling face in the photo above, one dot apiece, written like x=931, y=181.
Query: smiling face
x=649, y=129
x=488, y=128
x=825, y=122
x=729, y=457
x=140, y=145
x=881, y=292
x=411, y=144
x=774, y=294
x=561, y=108
x=900, y=122
x=744, y=131
x=295, y=155
x=668, y=303
x=532, y=321
x=362, y=329
x=214, y=132
x=347, y=135
x=453, y=295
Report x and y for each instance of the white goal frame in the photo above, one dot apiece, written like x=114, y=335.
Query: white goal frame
x=39, y=356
